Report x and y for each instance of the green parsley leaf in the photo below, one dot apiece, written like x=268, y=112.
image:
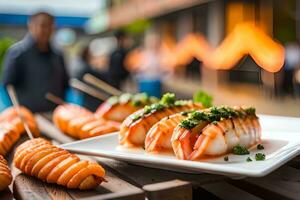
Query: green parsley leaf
x=185, y=113
x=181, y=102
x=204, y=98
x=226, y=158
x=153, y=99
x=147, y=109
x=168, y=99
x=249, y=159
x=250, y=111
x=136, y=117
x=113, y=100
x=260, y=147
x=260, y=156
x=140, y=99
x=239, y=150
x=188, y=123
x=137, y=103
x=124, y=98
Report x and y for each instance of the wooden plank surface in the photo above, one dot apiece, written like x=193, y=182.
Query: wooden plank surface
x=170, y=190
x=145, y=175
x=283, y=183
x=226, y=191
x=6, y=194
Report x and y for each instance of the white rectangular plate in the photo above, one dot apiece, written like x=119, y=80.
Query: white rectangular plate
x=281, y=139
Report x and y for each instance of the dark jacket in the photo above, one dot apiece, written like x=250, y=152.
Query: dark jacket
x=34, y=73
x=117, y=71
x=89, y=102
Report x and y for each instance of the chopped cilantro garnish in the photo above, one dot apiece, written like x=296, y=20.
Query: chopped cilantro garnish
x=239, y=150
x=212, y=115
x=184, y=113
x=249, y=159
x=140, y=99
x=260, y=156
x=168, y=99
x=137, y=103
x=226, y=158
x=153, y=99
x=181, y=102
x=250, y=111
x=113, y=100
x=188, y=124
x=124, y=98
x=215, y=122
x=260, y=147
x=157, y=106
x=147, y=109
x=198, y=116
x=204, y=98
x=136, y=117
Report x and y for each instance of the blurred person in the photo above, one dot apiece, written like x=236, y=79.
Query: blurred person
x=34, y=67
x=292, y=61
x=150, y=66
x=117, y=71
x=85, y=67
x=150, y=71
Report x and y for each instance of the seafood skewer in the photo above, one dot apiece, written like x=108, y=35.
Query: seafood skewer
x=10, y=115
x=117, y=108
x=72, y=120
x=9, y=134
x=39, y=158
x=11, y=127
x=215, y=131
x=158, y=138
x=5, y=174
x=135, y=127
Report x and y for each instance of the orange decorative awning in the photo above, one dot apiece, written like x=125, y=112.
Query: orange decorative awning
x=245, y=39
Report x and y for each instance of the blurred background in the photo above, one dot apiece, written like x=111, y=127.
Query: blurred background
x=241, y=52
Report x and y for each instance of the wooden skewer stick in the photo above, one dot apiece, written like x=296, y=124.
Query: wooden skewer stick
x=13, y=96
x=54, y=99
x=75, y=83
x=101, y=84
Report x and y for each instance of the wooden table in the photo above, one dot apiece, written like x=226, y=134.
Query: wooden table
x=126, y=181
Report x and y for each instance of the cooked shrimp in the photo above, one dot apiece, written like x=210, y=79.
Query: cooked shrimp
x=219, y=137
x=158, y=138
x=64, y=113
x=10, y=115
x=133, y=131
x=41, y=159
x=117, y=112
x=98, y=127
x=80, y=123
x=117, y=108
x=5, y=174
x=9, y=135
